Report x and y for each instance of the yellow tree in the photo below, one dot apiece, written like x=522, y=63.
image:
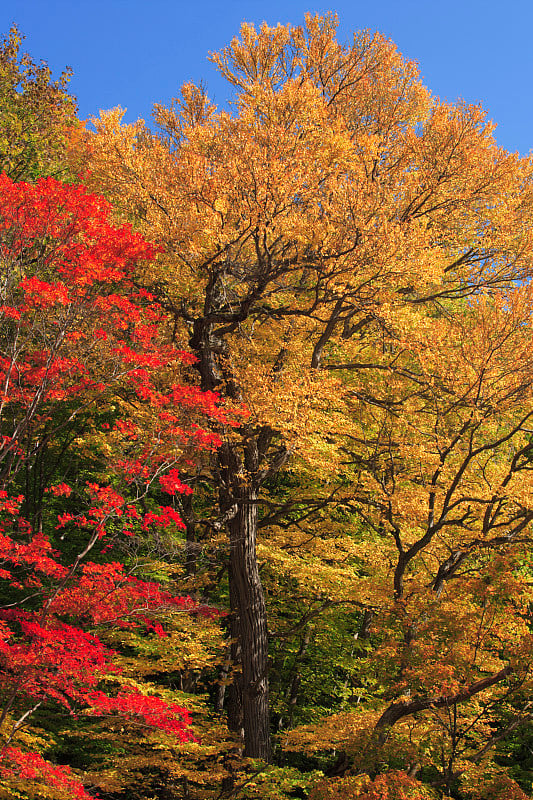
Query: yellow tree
x=442, y=475
x=324, y=224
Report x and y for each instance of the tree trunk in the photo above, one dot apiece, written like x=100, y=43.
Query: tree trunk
x=239, y=481
x=248, y=708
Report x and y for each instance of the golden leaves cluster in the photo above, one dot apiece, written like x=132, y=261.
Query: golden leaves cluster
x=364, y=253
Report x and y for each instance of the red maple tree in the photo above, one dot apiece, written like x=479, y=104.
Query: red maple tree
x=75, y=335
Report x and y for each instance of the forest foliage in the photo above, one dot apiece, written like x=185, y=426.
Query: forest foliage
x=266, y=447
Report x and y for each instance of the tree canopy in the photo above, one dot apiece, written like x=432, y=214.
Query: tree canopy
x=310, y=325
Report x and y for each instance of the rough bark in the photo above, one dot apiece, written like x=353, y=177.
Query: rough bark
x=239, y=477
x=248, y=708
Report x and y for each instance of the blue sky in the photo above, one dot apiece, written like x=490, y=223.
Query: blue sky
x=134, y=53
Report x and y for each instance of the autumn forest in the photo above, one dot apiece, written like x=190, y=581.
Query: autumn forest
x=266, y=436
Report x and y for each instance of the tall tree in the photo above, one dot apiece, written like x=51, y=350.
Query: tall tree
x=331, y=215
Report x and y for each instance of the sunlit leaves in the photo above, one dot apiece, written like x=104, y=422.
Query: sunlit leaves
x=76, y=335
x=351, y=259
